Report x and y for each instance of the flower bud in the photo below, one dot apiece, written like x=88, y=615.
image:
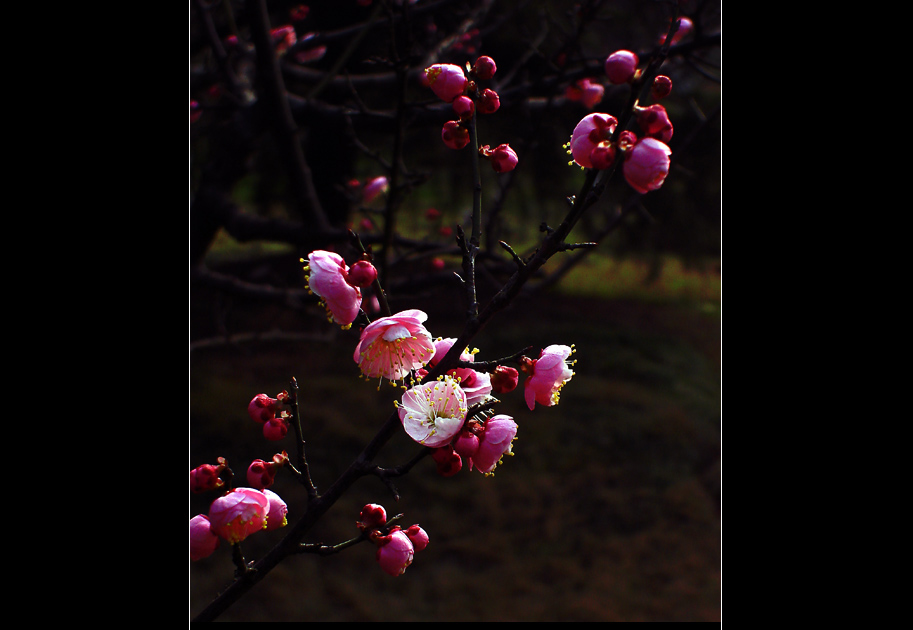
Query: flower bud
x=466, y=445
x=395, y=552
x=620, y=66
x=589, y=132
x=373, y=188
x=278, y=511
x=603, y=155
x=685, y=26
x=261, y=474
x=418, y=536
x=661, y=88
x=647, y=165
x=204, y=478
x=464, y=107
x=262, y=408
x=489, y=101
x=203, y=541
x=504, y=379
x=484, y=68
x=362, y=274
x=447, y=460
x=372, y=516
x=655, y=123
x=275, y=429
x=238, y=514
x=503, y=159
x=454, y=136
x=446, y=80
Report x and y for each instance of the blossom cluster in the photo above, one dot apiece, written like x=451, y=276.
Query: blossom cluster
x=396, y=547
x=452, y=85
x=596, y=141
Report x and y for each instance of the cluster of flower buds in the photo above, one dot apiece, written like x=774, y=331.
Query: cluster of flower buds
x=646, y=158
x=337, y=285
x=396, y=547
x=235, y=514
x=269, y=412
x=450, y=83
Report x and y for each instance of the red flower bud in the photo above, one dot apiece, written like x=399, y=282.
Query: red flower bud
x=484, y=68
x=489, y=101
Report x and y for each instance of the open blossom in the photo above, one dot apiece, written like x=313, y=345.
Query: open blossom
x=495, y=442
x=646, y=165
x=391, y=347
x=590, y=133
x=395, y=552
x=327, y=276
x=432, y=413
x=547, y=375
x=476, y=385
x=202, y=539
x=238, y=514
x=446, y=80
x=278, y=511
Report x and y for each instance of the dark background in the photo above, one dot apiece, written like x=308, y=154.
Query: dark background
x=610, y=508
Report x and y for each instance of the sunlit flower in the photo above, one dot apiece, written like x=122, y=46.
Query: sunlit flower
x=278, y=511
x=547, y=375
x=202, y=539
x=238, y=514
x=394, y=552
x=590, y=133
x=327, y=277
x=432, y=413
x=391, y=347
x=647, y=165
x=495, y=442
x=446, y=80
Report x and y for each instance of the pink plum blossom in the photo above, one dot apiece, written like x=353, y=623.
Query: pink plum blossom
x=547, y=375
x=261, y=474
x=495, y=442
x=327, y=277
x=464, y=107
x=446, y=80
x=592, y=130
x=278, y=511
x=262, y=408
x=476, y=385
x=395, y=552
x=391, y=347
x=418, y=536
x=433, y=413
x=202, y=539
x=238, y=514
x=206, y=477
x=362, y=274
x=585, y=91
x=374, y=187
x=275, y=429
x=647, y=164
x=503, y=158
x=466, y=445
x=655, y=123
x=620, y=66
